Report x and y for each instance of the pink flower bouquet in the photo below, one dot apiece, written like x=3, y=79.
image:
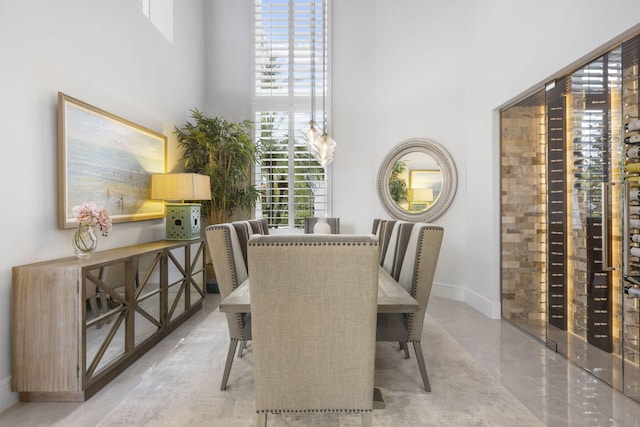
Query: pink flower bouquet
x=89, y=214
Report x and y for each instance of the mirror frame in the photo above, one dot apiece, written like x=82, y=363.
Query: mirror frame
x=449, y=177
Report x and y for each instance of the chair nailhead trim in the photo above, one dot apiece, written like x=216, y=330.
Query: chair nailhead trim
x=414, y=284
x=292, y=411
x=313, y=243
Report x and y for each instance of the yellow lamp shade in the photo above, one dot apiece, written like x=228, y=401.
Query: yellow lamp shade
x=180, y=186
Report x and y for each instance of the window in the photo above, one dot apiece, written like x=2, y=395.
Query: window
x=160, y=13
x=290, y=75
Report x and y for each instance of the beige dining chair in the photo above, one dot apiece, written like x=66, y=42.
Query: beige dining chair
x=382, y=228
x=230, y=269
x=415, y=274
x=313, y=307
x=396, y=238
x=91, y=293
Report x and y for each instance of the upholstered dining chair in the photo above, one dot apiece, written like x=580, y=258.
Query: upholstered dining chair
x=396, y=238
x=230, y=269
x=92, y=293
x=245, y=229
x=420, y=257
x=312, y=297
x=383, y=228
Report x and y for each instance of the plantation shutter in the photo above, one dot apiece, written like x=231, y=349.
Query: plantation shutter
x=293, y=184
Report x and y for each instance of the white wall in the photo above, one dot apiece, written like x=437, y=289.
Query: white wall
x=398, y=70
x=109, y=55
x=229, y=66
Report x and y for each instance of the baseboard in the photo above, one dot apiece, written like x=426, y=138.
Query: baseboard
x=489, y=308
x=7, y=397
x=455, y=293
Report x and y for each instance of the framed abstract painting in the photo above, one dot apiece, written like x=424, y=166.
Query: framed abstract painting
x=107, y=160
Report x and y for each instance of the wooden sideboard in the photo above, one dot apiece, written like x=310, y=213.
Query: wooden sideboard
x=77, y=324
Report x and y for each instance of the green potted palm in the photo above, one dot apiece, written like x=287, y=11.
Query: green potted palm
x=226, y=152
x=397, y=184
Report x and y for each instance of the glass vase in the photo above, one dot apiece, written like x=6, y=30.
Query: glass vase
x=84, y=241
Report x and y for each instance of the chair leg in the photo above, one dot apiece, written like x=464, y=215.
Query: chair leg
x=367, y=419
x=243, y=345
x=104, y=303
x=227, y=367
x=102, y=293
x=421, y=365
x=404, y=346
x=93, y=303
x=262, y=419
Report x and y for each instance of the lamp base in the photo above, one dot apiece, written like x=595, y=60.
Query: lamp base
x=183, y=221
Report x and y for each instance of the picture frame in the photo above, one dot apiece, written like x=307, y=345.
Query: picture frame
x=107, y=160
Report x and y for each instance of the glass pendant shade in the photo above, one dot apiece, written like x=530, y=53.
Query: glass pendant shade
x=311, y=132
x=322, y=148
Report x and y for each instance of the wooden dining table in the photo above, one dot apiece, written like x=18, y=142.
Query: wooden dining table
x=392, y=298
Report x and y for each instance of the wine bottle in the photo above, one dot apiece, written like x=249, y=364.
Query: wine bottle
x=632, y=291
x=632, y=139
x=633, y=278
x=633, y=125
x=633, y=152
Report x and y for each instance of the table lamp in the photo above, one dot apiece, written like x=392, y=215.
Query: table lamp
x=182, y=219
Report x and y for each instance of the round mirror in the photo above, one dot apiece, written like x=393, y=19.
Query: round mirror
x=417, y=180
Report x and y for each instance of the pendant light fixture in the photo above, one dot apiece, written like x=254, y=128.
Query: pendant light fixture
x=321, y=144
x=325, y=145
x=312, y=131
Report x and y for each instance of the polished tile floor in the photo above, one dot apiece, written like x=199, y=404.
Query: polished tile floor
x=556, y=392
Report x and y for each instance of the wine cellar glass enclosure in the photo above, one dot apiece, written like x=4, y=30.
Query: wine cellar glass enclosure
x=570, y=215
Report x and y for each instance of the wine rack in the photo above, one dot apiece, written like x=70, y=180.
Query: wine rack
x=591, y=290
x=631, y=118
x=556, y=208
x=592, y=207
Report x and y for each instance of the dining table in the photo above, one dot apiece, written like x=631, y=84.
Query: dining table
x=392, y=298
